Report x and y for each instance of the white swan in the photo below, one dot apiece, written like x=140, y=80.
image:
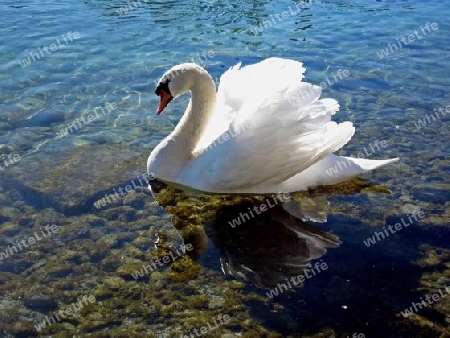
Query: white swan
x=264, y=131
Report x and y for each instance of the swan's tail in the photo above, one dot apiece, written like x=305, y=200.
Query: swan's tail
x=364, y=165
x=332, y=169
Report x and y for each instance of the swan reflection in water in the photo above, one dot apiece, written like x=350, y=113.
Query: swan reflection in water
x=267, y=248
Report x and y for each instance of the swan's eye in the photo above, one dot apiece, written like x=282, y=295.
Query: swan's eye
x=163, y=86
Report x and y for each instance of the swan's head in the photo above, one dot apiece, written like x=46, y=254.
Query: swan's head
x=175, y=82
x=165, y=94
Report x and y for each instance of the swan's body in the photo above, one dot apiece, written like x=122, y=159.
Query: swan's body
x=264, y=131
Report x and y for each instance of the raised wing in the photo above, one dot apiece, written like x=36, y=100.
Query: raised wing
x=278, y=127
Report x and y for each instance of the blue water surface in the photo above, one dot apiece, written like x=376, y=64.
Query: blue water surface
x=61, y=60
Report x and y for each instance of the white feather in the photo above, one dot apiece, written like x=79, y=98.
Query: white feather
x=270, y=132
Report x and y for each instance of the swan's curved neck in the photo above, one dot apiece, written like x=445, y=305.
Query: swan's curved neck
x=196, y=117
x=172, y=154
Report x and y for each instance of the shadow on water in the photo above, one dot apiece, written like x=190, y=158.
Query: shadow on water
x=40, y=200
x=362, y=290
x=269, y=248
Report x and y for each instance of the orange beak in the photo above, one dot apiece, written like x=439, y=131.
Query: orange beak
x=165, y=99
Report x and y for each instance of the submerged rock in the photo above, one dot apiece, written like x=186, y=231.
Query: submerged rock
x=438, y=196
x=42, y=303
